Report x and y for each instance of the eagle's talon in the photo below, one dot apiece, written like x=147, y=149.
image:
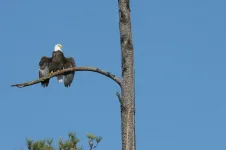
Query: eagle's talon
x=51, y=73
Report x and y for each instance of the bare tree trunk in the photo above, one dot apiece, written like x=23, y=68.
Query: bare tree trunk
x=128, y=93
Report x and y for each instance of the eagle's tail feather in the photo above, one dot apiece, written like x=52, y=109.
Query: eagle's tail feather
x=60, y=78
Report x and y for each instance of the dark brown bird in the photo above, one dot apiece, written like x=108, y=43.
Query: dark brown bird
x=48, y=65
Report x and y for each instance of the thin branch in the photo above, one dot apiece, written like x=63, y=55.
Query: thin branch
x=107, y=74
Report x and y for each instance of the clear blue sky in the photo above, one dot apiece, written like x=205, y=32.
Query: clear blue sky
x=180, y=49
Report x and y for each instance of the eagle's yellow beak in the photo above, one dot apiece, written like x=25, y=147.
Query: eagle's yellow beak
x=60, y=46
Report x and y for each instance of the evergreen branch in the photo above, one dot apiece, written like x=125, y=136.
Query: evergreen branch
x=61, y=72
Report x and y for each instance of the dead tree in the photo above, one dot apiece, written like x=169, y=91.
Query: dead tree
x=128, y=92
x=127, y=97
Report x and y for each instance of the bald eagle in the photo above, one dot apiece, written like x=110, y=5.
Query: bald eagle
x=48, y=65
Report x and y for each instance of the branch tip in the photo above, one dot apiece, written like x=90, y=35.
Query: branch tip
x=119, y=98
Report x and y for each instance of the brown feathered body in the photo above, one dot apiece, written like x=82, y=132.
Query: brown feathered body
x=55, y=63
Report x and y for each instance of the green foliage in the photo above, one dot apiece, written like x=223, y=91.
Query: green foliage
x=98, y=139
x=70, y=144
x=92, y=138
x=39, y=145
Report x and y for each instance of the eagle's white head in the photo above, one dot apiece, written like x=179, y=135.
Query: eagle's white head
x=58, y=47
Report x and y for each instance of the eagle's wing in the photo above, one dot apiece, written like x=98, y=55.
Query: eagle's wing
x=44, y=69
x=69, y=76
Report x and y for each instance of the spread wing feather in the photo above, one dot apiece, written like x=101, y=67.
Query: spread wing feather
x=44, y=69
x=69, y=76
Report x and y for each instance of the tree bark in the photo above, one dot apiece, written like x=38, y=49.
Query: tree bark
x=128, y=92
